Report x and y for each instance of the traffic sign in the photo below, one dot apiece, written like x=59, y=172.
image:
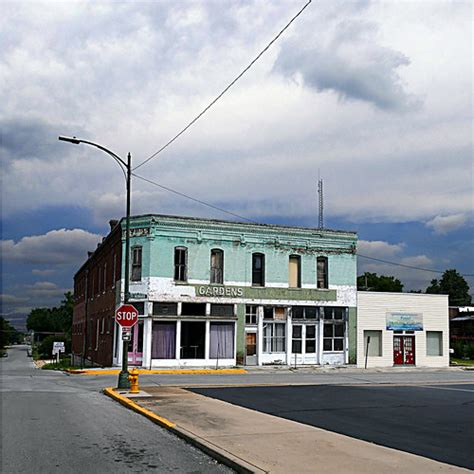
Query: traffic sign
x=126, y=315
x=126, y=333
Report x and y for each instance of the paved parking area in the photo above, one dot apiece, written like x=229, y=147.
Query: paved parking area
x=435, y=420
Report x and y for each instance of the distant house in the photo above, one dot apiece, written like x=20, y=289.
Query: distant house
x=461, y=323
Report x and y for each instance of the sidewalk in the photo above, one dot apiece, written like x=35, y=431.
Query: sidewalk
x=256, y=442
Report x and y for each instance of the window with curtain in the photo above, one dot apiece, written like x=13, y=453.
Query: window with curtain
x=217, y=266
x=222, y=341
x=374, y=343
x=434, y=343
x=163, y=342
x=274, y=337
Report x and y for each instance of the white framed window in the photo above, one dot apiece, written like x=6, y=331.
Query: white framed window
x=434, y=343
x=322, y=272
x=274, y=337
x=251, y=314
x=217, y=266
x=180, y=263
x=334, y=329
x=297, y=339
x=136, y=274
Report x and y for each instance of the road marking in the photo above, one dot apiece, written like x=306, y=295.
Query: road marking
x=447, y=388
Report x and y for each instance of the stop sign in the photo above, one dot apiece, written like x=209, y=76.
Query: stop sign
x=126, y=315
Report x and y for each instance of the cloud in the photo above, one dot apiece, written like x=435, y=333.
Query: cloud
x=445, y=224
x=379, y=248
x=55, y=247
x=12, y=299
x=45, y=289
x=349, y=61
x=45, y=272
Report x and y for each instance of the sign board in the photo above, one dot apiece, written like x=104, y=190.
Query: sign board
x=404, y=321
x=58, y=346
x=126, y=315
x=126, y=333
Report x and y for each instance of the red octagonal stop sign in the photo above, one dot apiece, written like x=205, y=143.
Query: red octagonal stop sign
x=126, y=315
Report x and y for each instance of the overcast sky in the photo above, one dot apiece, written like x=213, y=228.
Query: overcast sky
x=377, y=96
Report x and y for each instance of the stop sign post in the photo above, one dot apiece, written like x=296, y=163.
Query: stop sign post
x=126, y=316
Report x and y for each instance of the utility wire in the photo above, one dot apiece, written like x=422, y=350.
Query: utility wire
x=195, y=119
x=409, y=266
x=204, y=203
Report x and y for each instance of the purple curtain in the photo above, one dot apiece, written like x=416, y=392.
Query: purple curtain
x=163, y=342
x=222, y=341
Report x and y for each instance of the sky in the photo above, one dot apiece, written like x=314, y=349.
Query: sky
x=374, y=97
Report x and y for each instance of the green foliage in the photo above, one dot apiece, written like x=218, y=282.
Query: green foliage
x=8, y=334
x=52, y=319
x=64, y=363
x=454, y=285
x=463, y=350
x=45, y=348
x=373, y=282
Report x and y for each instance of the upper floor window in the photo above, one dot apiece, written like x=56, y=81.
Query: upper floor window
x=258, y=269
x=217, y=266
x=114, y=270
x=180, y=258
x=322, y=272
x=294, y=271
x=136, y=264
x=104, y=283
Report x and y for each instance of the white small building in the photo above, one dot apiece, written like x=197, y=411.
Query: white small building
x=402, y=329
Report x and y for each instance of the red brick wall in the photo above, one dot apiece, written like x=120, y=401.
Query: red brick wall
x=92, y=337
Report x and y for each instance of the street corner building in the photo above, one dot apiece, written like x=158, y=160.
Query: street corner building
x=214, y=293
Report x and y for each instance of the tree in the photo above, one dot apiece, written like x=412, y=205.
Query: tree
x=52, y=319
x=8, y=334
x=453, y=284
x=373, y=282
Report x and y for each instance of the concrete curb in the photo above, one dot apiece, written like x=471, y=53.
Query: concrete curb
x=221, y=455
x=158, y=371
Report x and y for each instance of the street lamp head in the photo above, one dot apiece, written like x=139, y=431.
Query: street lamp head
x=69, y=139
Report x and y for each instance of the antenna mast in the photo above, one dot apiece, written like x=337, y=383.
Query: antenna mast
x=321, y=204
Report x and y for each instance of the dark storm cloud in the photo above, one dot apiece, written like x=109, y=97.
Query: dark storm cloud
x=350, y=63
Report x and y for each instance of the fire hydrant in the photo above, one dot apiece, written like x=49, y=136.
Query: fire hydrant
x=133, y=378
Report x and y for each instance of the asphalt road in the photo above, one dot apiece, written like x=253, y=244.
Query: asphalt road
x=434, y=421
x=51, y=422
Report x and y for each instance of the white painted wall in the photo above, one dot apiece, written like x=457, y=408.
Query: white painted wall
x=372, y=308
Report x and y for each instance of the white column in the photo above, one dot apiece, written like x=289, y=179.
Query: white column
x=207, y=341
x=321, y=336
x=178, y=339
x=147, y=335
x=288, y=338
x=259, y=334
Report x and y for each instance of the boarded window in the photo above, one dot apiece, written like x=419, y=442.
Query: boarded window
x=374, y=344
x=136, y=274
x=434, y=343
x=217, y=266
x=180, y=266
x=258, y=269
x=294, y=271
x=322, y=272
x=165, y=309
x=280, y=313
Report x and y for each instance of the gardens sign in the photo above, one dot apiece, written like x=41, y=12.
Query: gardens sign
x=404, y=321
x=228, y=291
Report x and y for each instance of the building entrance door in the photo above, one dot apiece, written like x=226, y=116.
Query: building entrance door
x=135, y=346
x=404, y=350
x=251, y=348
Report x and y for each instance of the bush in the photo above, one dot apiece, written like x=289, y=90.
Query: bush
x=45, y=349
x=463, y=350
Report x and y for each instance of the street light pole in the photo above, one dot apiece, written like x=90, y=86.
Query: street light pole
x=123, y=381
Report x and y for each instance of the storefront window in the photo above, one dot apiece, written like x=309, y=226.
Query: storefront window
x=274, y=337
x=163, y=342
x=310, y=339
x=297, y=339
x=222, y=341
x=193, y=336
x=334, y=329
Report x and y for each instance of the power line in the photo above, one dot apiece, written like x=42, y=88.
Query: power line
x=409, y=266
x=204, y=203
x=195, y=119
x=220, y=209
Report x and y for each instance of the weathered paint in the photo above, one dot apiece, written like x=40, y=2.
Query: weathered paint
x=352, y=328
x=240, y=333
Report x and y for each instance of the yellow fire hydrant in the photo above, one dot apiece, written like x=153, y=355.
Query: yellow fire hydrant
x=133, y=378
